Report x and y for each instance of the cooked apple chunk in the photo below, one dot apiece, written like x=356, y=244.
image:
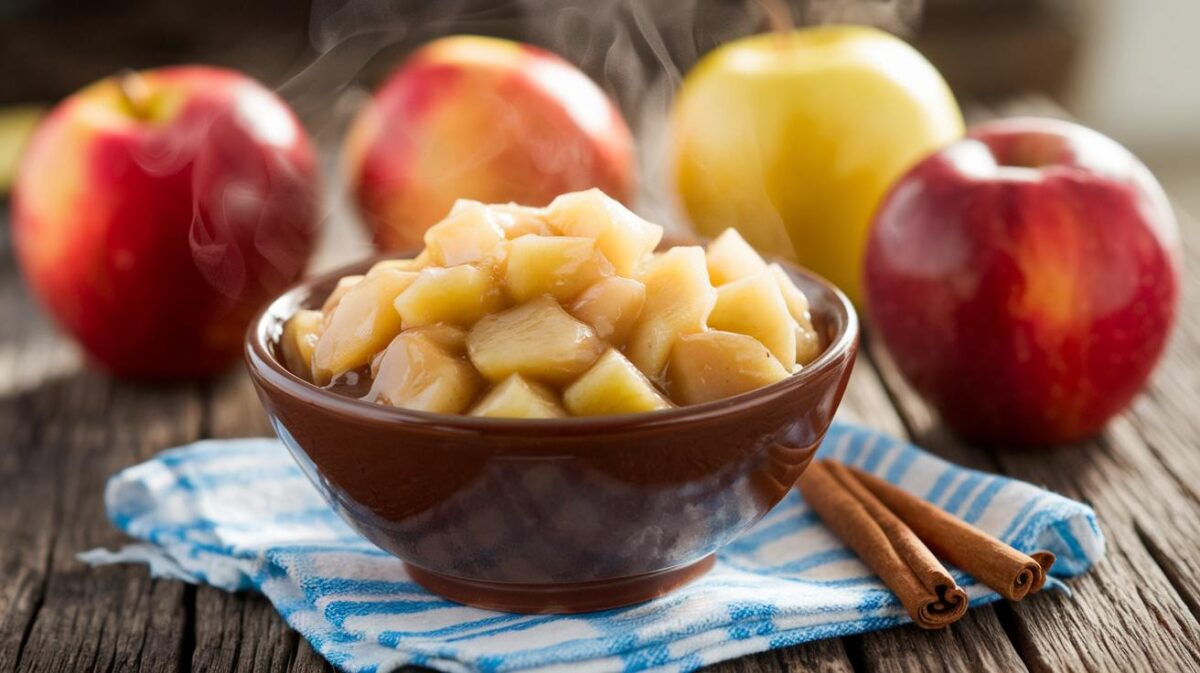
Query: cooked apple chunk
x=459, y=295
x=612, y=386
x=714, y=365
x=731, y=258
x=461, y=206
x=623, y=237
x=515, y=397
x=796, y=302
x=516, y=220
x=299, y=340
x=452, y=338
x=416, y=373
x=538, y=340
x=362, y=324
x=415, y=264
x=808, y=344
x=678, y=301
x=754, y=306
x=611, y=307
x=472, y=236
x=343, y=286
x=560, y=266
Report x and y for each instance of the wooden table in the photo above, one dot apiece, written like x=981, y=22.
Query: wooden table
x=64, y=429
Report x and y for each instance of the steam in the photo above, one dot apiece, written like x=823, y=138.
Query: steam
x=637, y=51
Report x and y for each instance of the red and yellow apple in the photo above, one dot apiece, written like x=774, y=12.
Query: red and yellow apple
x=794, y=138
x=1025, y=280
x=154, y=212
x=486, y=119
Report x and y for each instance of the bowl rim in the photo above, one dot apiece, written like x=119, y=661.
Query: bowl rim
x=265, y=367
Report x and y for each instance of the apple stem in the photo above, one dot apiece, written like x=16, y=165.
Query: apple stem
x=779, y=16
x=134, y=93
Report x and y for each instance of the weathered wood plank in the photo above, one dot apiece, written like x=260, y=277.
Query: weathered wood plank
x=308, y=661
x=113, y=618
x=826, y=656
x=1165, y=419
x=976, y=643
x=29, y=516
x=240, y=632
x=233, y=408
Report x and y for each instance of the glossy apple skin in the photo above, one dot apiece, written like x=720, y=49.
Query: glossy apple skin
x=793, y=139
x=153, y=240
x=1025, y=280
x=485, y=119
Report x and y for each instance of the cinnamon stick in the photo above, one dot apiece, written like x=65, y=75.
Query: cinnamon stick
x=1005, y=570
x=885, y=544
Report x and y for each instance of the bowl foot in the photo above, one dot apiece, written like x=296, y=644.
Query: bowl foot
x=560, y=598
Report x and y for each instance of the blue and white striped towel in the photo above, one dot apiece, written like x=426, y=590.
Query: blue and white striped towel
x=239, y=514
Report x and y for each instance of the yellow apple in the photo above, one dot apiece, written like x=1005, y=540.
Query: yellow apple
x=793, y=138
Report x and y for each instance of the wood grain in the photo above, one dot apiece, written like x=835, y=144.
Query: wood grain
x=113, y=618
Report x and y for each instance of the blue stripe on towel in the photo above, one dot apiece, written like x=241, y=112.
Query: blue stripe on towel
x=784, y=582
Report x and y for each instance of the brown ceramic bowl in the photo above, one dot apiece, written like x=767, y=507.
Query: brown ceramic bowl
x=563, y=515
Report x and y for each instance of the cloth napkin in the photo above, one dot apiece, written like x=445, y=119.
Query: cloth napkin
x=240, y=515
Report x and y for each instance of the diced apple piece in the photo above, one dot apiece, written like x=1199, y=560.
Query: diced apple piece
x=471, y=236
x=461, y=206
x=808, y=344
x=560, y=266
x=796, y=302
x=452, y=338
x=678, y=301
x=363, y=323
x=374, y=364
x=754, y=306
x=343, y=286
x=612, y=386
x=611, y=307
x=516, y=397
x=623, y=237
x=538, y=340
x=415, y=264
x=730, y=257
x=299, y=340
x=416, y=373
x=714, y=365
x=459, y=295
x=517, y=221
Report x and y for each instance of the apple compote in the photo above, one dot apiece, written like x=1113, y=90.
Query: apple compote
x=567, y=310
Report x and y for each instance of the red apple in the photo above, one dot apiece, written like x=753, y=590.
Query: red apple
x=485, y=119
x=153, y=213
x=1025, y=280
